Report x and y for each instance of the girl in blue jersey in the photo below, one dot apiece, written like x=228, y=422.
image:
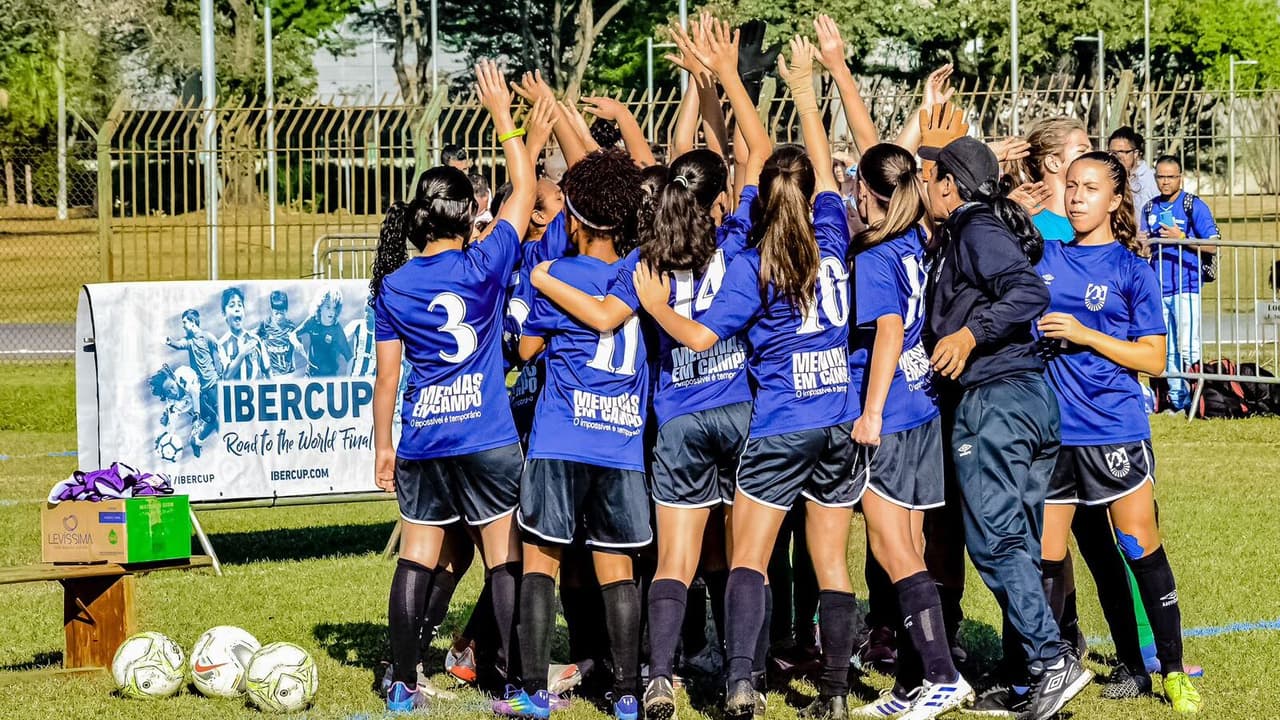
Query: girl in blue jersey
x=457, y=456
x=789, y=290
x=1104, y=326
x=701, y=401
x=1055, y=143
x=586, y=453
x=899, y=433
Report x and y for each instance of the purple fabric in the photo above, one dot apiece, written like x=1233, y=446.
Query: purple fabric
x=113, y=483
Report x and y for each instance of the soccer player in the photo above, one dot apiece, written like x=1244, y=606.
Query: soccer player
x=276, y=333
x=789, y=290
x=899, y=433
x=1178, y=215
x=360, y=339
x=1055, y=143
x=241, y=351
x=586, y=455
x=1104, y=326
x=984, y=296
x=204, y=358
x=326, y=347
x=458, y=455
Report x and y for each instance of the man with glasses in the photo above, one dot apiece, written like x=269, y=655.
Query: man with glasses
x=1127, y=145
x=1175, y=214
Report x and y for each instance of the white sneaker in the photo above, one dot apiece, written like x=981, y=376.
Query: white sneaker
x=889, y=705
x=939, y=699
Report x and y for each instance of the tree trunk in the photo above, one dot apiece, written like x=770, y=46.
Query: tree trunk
x=557, y=26
x=244, y=41
x=588, y=30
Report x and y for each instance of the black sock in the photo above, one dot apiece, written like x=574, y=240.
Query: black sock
x=410, y=587
x=1070, y=624
x=744, y=603
x=805, y=604
x=909, y=669
x=922, y=616
x=882, y=605
x=762, y=645
x=1111, y=578
x=781, y=582
x=715, y=580
x=1055, y=588
x=835, y=616
x=438, y=600
x=504, y=581
x=693, y=628
x=666, y=618
x=537, y=622
x=1160, y=599
x=622, y=617
x=479, y=625
x=952, y=613
x=584, y=617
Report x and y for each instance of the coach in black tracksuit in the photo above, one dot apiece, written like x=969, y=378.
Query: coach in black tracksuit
x=984, y=295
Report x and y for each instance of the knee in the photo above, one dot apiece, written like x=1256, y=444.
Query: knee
x=1133, y=547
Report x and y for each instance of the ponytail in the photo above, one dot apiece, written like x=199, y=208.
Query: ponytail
x=889, y=173
x=782, y=231
x=676, y=229
x=1014, y=217
x=393, y=247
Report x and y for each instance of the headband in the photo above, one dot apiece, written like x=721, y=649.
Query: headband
x=574, y=212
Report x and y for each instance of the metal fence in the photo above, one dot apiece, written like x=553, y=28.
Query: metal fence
x=140, y=198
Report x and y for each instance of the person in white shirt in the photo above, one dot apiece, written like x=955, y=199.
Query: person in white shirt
x=1128, y=146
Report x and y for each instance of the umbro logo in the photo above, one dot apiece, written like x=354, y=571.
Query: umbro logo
x=964, y=450
x=1170, y=599
x=1055, y=683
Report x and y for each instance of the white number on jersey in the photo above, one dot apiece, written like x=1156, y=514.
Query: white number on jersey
x=685, y=304
x=519, y=310
x=603, y=360
x=463, y=334
x=916, y=278
x=832, y=297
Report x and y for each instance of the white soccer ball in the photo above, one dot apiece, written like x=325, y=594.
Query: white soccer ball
x=148, y=665
x=168, y=446
x=282, y=678
x=220, y=661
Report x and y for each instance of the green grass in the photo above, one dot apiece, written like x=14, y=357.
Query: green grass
x=313, y=576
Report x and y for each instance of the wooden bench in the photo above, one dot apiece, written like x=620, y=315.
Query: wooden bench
x=97, y=606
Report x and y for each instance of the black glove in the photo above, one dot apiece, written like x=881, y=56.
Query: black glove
x=754, y=59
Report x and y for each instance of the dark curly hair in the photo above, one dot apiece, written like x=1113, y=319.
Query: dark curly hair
x=444, y=206
x=676, y=229
x=605, y=133
x=602, y=191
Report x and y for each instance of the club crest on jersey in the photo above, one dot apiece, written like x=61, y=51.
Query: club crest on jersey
x=1118, y=463
x=1048, y=278
x=1095, y=296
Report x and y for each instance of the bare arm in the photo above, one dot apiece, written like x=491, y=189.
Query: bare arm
x=530, y=346
x=718, y=50
x=601, y=315
x=937, y=91
x=386, y=385
x=496, y=98
x=637, y=144
x=1146, y=354
x=832, y=54
x=799, y=77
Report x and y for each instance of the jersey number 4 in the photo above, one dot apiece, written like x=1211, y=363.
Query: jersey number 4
x=455, y=311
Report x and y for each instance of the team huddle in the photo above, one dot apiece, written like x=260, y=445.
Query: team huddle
x=707, y=360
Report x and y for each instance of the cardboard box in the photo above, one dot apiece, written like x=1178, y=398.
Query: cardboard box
x=142, y=529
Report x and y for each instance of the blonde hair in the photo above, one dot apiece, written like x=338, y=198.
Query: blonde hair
x=1048, y=137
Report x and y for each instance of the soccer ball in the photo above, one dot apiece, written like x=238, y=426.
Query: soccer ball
x=148, y=666
x=168, y=447
x=220, y=660
x=282, y=678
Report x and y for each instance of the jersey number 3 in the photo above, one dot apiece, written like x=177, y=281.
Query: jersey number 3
x=455, y=310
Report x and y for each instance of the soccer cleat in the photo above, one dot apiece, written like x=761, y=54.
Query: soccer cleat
x=1002, y=701
x=740, y=699
x=401, y=699
x=826, y=707
x=461, y=664
x=659, y=699
x=892, y=703
x=1181, y=693
x=626, y=708
x=562, y=678
x=1126, y=685
x=938, y=699
x=517, y=703
x=879, y=652
x=424, y=685
x=1055, y=687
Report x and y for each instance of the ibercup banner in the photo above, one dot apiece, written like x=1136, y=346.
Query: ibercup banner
x=236, y=390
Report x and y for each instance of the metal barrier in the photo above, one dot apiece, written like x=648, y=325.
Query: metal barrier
x=1234, y=316
x=343, y=256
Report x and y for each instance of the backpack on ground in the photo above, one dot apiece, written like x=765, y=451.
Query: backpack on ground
x=1264, y=398
x=1221, y=398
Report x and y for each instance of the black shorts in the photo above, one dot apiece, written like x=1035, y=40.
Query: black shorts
x=906, y=469
x=777, y=470
x=480, y=487
x=559, y=497
x=695, y=459
x=1100, y=474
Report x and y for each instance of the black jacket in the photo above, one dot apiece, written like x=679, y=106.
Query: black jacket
x=982, y=280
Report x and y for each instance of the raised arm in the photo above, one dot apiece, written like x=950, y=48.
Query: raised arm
x=632, y=136
x=798, y=75
x=532, y=87
x=496, y=98
x=717, y=49
x=601, y=315
x=538, y=125
x=832, y=55
x=937, y=91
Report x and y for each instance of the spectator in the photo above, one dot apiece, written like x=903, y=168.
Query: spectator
x=480, y=188
x=1178, y=215
x=1128, y=146
x=456, y=156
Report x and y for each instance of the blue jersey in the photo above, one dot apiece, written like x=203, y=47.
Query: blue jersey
x=1111, y=290
x=1177, y=267
x=889, y=279
x=593, y=403
x=799, y=363
x=553, y=245
x=447, y=310
x=690, y=381
x=1053, y=227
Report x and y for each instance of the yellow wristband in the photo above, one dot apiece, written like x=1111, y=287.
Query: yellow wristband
x=518, y=132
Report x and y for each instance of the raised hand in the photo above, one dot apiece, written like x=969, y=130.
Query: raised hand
x=539, y=123
x=532, y=87
x=1010, y=149
x=937, y=88
x=798, y=72
x=940, y=124
x=492, y=88
x=831, y=48
x=605, y=108
x=754, y=59
x=716, y=47
x=687, y=60
x=1031, y=196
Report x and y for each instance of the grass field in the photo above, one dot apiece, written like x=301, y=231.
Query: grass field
x=314, y=576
